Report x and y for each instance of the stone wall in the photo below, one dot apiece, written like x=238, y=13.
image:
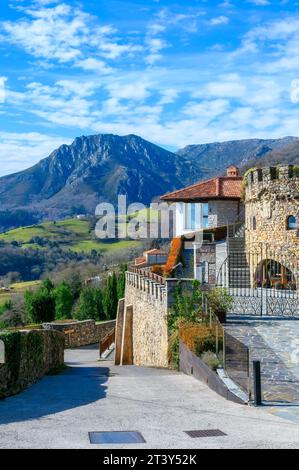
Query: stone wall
x=150, y=328
x=152, y=302
x=222, y=213
x=272, y=195
x=28, y=356
x=206, y=263
x=82, y=333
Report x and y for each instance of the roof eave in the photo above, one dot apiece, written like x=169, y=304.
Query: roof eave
x=201, y=199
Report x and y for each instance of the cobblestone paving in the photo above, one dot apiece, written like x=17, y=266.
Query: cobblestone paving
x=276, y=345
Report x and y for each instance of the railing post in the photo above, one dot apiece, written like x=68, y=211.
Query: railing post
x=257, y=383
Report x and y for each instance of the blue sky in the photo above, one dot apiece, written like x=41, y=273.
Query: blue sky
x=176, y=73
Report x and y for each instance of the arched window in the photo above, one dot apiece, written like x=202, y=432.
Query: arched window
x=291, y=223
x=253, y=223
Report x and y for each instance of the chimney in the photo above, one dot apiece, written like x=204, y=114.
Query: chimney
x=233, y=171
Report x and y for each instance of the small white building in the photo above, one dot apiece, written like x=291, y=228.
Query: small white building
x=208, y=204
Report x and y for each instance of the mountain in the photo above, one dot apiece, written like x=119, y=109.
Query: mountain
x=281, y=156
x=93, y=169
x=215, y=157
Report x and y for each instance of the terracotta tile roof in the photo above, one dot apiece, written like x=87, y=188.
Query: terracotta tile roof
x=223, y=187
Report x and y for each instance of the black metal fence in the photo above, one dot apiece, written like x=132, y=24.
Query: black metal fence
x=262, y=281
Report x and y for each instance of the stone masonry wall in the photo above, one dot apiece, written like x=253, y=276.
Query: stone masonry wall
x=28, y=356
x=82, y=333
x=150, y=327
x=271, y=201
x=152, y=302
x=207, y=254
x=272, y=195
x=222, y=213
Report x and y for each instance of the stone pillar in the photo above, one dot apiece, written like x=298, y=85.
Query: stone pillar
x=127, y=339
x=119, y=331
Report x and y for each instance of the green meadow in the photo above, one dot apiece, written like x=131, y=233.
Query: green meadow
x=71, y=234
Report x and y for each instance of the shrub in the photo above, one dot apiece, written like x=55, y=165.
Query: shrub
x=205, y=343
x=40, y=306
x=12, y=342
x=90, y=305
x=219, y=300
x=174, y=350
x=211, y=360
x=199, y=338
x=174, y=255
x=187, y=306
x=190, y=333
x=64, y=301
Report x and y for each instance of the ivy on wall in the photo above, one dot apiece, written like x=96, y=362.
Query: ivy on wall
x=29, y=356
x=12, y=342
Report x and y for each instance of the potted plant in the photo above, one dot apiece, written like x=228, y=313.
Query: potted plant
x=220, y=302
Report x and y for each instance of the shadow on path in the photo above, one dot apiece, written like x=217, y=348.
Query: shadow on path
x=81, y=384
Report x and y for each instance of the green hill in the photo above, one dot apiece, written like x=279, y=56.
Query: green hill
x=71, y=234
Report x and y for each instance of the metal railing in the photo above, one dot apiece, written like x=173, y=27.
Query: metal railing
x=107, y=342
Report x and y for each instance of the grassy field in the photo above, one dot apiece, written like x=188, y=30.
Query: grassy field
x=49, y=230
x=17, y=288
x=71, y=234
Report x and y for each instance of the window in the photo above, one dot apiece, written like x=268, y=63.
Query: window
x=205, y=215
x=291, y=223
x=254, y=223
x=202, y=272
x=196, y=216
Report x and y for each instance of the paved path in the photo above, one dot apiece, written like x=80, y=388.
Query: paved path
x=59, y=411
x=276, y=344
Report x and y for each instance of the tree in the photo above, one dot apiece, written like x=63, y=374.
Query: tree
x=111, y=297
x=48, y=285
x=89, y=305
x=121, y=282
x=98, y=304
x=75, y=282
x=40, y=306
x=64, y=301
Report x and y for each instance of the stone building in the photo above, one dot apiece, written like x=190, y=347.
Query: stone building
x=208, y=204
x=204, y=211
x=271, y=226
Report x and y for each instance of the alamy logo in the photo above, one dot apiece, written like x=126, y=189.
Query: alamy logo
x=135, y=221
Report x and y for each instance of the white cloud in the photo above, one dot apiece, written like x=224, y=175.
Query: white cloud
x=260, y=3
x=66, y=34
x=137, y=91
x=207, y=95
x=2, y=89
x=219, y=20
x=24, y=149
x=155, y=46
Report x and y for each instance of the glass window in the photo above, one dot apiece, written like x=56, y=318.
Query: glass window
x=205, y=215
x=202, y=272
x=292, y=223
x=196, y=216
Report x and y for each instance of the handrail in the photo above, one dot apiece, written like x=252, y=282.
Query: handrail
x=107, y=342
